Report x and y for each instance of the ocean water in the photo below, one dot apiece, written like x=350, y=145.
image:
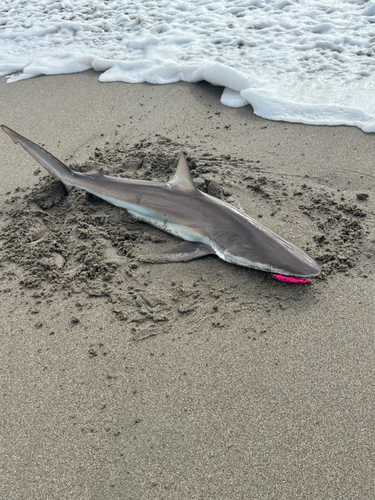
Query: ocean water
x=308, y=61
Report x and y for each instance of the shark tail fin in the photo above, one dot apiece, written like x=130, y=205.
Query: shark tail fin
x=55, y=167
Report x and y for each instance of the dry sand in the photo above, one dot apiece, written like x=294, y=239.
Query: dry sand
x=122, y=379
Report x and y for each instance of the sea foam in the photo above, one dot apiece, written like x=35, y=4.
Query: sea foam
x=308, y=61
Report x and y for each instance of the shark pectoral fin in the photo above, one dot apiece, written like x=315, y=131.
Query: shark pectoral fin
x=185, y=251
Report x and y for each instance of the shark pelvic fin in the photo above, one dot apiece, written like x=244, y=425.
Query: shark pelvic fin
x=182, y=178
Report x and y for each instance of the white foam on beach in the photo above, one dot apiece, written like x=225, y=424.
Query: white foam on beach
x=309, y=61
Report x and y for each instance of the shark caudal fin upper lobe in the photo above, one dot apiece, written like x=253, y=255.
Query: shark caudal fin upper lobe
x=55, y=167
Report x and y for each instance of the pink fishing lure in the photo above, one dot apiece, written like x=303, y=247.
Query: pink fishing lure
x=288, y=279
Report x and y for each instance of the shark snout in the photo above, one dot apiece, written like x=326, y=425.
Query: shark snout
x=308, y=271
x=302, y=265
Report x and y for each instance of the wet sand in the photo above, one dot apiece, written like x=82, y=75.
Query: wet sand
x=126, y=379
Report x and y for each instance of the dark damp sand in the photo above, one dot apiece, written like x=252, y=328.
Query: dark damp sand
x=181, y=381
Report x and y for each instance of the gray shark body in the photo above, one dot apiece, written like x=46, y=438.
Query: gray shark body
x=208, y=225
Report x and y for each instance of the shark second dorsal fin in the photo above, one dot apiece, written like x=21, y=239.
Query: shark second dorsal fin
x=182, y=178
x=94, y=173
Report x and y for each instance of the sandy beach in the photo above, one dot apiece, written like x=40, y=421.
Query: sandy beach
x=127, y=379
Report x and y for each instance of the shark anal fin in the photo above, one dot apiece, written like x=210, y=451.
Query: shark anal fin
x=185, y=251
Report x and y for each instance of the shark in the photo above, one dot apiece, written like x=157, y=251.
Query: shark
x=207, y=225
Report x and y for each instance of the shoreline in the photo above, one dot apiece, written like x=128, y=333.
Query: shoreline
x=193, y=380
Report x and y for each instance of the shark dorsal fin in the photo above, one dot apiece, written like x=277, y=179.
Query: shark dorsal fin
x=182, y=178
x=94, y=172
